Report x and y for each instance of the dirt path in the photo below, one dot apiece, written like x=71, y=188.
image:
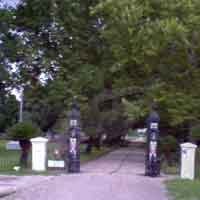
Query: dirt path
x=117, y=176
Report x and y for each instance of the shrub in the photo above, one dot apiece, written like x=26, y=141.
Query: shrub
x=197, y=164
x=195, y=133
x=23, y=131
x=169, y=142
x=169, y=145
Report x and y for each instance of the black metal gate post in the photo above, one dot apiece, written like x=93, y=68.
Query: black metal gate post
x=152, y=165
x=74, y=139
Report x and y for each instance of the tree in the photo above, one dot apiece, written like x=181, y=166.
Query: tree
x=57, y=41
x=8, y=103
x=45, y=104
x=8, y=111
x=155, y=47
x=23, y=132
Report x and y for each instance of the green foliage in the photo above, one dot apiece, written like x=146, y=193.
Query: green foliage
x=169, y=143
x=59, y=41
x=135, y=110
x=195, y=133
x=170, y=169
x=155, y=47
x=90, y=120
x=197, y=164
x=184, y=189
x=8, y=110
x=76, y=45
x=64, y=44
x=104, y=115
x=23, y=131
x=44, y=105
x=132, y=133
x=9, y=158
x=169, y=150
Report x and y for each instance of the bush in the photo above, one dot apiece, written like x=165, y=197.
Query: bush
x=195, y=133
x=169, y=142
x=169, y=146
x=197, y=164
x=23, y=131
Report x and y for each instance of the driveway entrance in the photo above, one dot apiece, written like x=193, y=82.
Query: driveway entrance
x=116, y=176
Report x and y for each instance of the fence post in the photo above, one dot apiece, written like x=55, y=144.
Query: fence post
x=188, y=151
x=39, y=153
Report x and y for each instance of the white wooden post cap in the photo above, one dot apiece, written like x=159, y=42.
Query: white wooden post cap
x=39, y=139
x=188, y=145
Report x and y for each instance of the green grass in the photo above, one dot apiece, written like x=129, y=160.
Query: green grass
x=180, y=189
x=84, y=157
x=184, y=189
x=10, y=158
x=94, y=155
x=171, y=170
x=132, y=133
x=175, y=169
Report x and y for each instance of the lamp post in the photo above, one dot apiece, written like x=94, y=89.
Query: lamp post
x=152, y=167
x=74, y=139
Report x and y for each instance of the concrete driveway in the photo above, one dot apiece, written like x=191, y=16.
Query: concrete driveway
x=117, y=176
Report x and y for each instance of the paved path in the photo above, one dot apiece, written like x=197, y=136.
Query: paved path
x=11, y=184
x=117, y=176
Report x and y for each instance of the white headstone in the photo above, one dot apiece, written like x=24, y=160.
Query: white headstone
x=39, y=153
x=188, y=160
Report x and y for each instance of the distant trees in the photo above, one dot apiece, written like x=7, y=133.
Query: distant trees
x=8, y=111
x=8, y=102
x=58, y=53
x=155, y=45
x=23, y=132
x=63, y=48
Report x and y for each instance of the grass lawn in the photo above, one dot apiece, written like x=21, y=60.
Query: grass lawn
x=84, y=157
x=184, y=189
x=180, y=189
x=95, y=154
x=10, y=158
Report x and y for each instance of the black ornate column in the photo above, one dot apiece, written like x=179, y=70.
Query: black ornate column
x=74, y=139
x=152, y=165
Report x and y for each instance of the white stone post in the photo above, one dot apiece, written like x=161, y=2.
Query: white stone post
x=188, y=160
x=39, y=153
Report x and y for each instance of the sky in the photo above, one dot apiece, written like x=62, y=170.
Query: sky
x=43, y=78
x=17, y=94
x=10, y=2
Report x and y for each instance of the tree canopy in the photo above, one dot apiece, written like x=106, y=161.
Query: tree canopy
x=141, y=50
x=155, y=44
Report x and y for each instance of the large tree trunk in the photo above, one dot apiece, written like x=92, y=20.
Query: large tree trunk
x=25, y=147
